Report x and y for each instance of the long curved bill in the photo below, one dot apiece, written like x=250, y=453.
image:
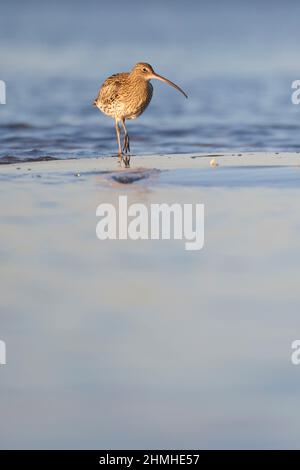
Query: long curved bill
x=163, y=79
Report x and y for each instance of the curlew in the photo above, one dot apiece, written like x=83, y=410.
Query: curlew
x=126, y=96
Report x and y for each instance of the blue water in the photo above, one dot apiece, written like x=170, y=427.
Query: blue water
x=236, y=61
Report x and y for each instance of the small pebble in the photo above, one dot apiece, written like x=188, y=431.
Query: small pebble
x=213, y=162
x=77, y=174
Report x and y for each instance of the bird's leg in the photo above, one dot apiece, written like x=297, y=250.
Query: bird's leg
x=126, y=146
x=120, y=155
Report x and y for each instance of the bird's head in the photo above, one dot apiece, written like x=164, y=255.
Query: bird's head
x=145, y=71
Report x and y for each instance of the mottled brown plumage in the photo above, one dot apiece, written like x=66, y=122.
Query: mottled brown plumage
x=126, y=96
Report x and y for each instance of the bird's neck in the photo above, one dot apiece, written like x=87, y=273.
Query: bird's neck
x=136, y=77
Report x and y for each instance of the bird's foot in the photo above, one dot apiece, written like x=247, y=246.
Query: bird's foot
x=126, y=151
x=126, y=161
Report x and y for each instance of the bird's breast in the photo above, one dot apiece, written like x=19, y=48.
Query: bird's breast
x=138, y=99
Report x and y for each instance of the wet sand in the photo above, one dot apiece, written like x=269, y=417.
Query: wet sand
x=141, y=344
x=163, y=162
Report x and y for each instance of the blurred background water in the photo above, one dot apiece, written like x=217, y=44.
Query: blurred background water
x=236, y=60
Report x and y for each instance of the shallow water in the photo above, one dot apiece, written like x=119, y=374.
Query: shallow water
x=234, y=177
x=124, y=344
x=236, y=62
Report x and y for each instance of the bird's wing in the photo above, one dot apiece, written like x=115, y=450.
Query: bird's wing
x=109, y=91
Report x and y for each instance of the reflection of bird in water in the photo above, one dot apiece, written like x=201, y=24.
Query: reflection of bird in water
x=126, y=96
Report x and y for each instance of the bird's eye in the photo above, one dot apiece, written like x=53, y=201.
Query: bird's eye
x=145, y=70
